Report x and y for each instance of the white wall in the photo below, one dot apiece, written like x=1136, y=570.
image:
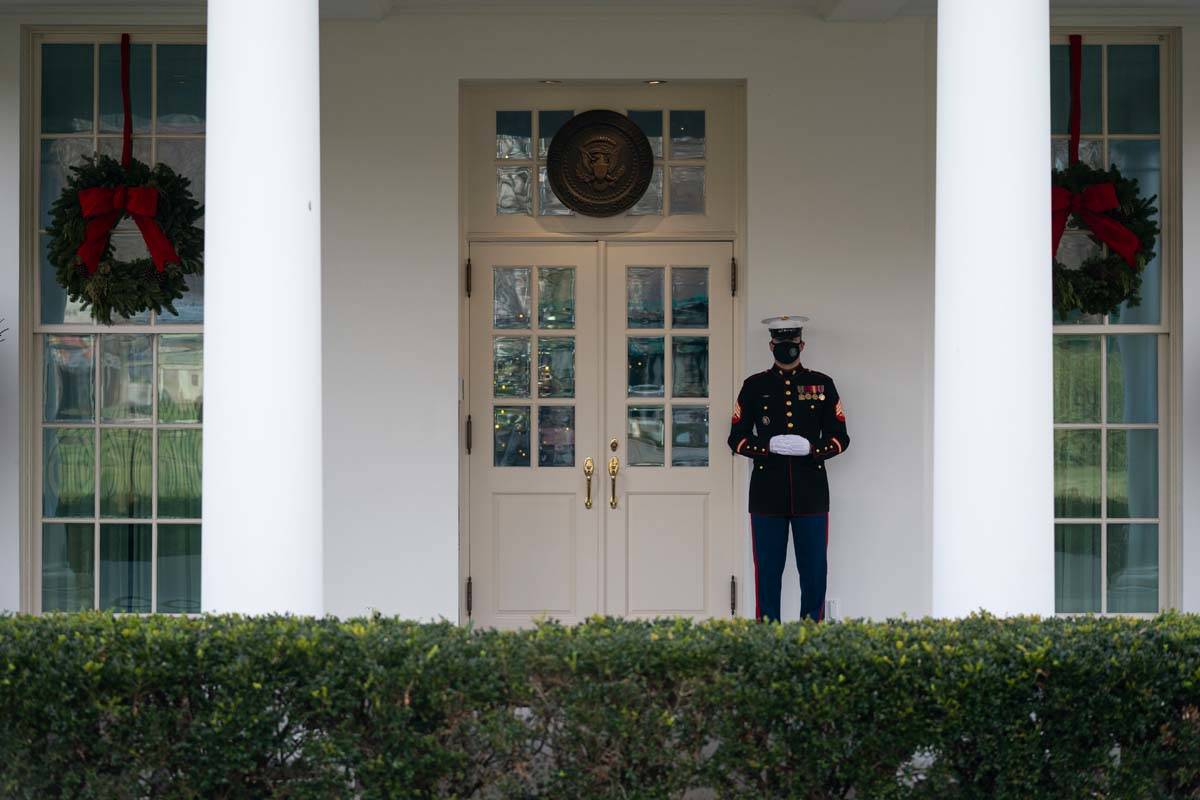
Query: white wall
x=10, y=375
x=840, y=203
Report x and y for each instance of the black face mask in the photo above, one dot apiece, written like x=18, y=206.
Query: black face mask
x=786, y=352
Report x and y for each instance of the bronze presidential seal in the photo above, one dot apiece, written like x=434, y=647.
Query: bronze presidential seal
x=599, y=163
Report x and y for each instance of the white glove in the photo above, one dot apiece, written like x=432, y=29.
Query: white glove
x=790, y=445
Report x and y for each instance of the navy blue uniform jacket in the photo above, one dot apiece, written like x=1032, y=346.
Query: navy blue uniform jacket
x=801, y=402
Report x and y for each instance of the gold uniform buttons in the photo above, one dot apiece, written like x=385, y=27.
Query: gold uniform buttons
x=789, y=402
x=789, y=413
x=787, y=383
x=790, y=425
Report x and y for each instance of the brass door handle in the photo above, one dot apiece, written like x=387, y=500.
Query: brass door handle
x=589, y=469
x=614, y=466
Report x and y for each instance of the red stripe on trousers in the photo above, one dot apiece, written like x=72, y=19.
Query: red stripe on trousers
x=821, y=610
x=754, y=553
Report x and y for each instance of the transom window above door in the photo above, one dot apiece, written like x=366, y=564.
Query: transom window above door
x=677, y=138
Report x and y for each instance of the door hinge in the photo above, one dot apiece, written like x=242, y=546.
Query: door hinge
x=469, y=596
x=467, y=279
x=468, y=434
x=733, y=276
x=733, y=595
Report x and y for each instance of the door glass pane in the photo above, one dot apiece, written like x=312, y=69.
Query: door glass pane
x=556, y=436
x=556, y=366
x=1133, y=568
x=125, y=568
x=645, y=360
x=510, y=442
x=67, y=566
x=556, y=297
x=644, y=297
x=126, y=377
x=179, y=569
x=514, y=194
x=1060, y=88
x=689, y=436
x=1077, y=473
x=1133, y=473
x=689, y=297
x=687, y=134
x=1076, y=378
x=70, y=394
x=650, y=203
x=1076, y=568
x=125, y=468
x=179, y=462
x=689, y=366
x=1133, y=378
x=181, y=90
x=514, y=132
x=645, y=436
x=68, y=472
x=687, y=190
x=510, y=297
x=1133, y=88
x=66, y=88
x=181, y=377
x=548, y=124
x=112, y=114
x=651, y=123
x=510, y=370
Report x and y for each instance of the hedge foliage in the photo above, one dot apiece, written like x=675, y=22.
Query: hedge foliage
x=96, y=706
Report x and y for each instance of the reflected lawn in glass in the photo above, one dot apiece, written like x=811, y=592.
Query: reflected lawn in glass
x=645, y=436
x=510, y=297
x=181, y=377
x=556, y=366
x=510, y=366
x=68, y=566
x=689, y=436
x=1132, y=473
x=556, y=436
x=69, y=393
x=1076, y=568
x=179, y=569
x=1133, y=378
x=126, y=377
x=689, y=297
x=510, y=439
x=125, y=568
x=644, y=357
x=125, y=473
x=68, y=472
x=1077, y=473
x=556, y=298
x=689, y=366
x=1076, y=378
x=644, y=297
x=1133, y=569
x=179, y=471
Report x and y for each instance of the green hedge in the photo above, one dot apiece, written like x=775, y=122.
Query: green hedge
x=122, y=707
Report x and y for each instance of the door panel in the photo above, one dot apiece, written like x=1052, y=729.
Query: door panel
x=534, y=355
x=668, y=373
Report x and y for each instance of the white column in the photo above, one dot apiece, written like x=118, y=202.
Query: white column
x=993, y=476
x=262, y=548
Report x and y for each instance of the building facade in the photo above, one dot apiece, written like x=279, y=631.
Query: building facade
x=297, y=438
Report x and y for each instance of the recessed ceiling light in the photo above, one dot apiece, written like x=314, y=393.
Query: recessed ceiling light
x=552, y=83
x=655, y=83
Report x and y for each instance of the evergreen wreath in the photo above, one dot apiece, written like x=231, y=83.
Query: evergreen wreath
x=1102, y=282
x=126, y=288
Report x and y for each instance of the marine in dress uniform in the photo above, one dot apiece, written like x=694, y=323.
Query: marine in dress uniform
x=789, y=421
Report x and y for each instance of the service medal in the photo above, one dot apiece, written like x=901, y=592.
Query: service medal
x=766, y=421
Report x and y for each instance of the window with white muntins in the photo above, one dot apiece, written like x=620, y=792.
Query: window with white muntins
x=117, y=448
x=1113, y=374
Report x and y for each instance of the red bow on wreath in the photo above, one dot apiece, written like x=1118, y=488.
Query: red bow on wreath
x=103, y=208
x=1089, y=206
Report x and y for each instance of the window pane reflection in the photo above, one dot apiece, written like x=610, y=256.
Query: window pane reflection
x=645, y=436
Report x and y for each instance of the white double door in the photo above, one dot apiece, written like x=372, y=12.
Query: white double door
x=615, y=357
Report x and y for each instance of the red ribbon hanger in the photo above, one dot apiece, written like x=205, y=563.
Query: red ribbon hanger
x=1090, y=204
x=103, y=207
